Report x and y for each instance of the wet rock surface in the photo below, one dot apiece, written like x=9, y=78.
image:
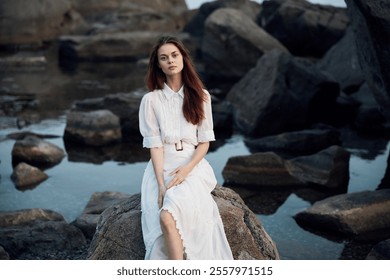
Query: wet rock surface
x=119, y=234
x=361, y=214
x=36, y=151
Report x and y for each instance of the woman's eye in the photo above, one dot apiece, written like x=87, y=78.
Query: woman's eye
x=163, y=58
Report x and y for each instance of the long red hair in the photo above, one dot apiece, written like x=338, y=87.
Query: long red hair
x=194, y=96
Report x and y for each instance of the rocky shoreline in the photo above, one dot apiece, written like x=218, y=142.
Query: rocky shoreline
x=294, y=74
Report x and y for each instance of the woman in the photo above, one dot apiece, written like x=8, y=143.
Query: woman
x=180, y=219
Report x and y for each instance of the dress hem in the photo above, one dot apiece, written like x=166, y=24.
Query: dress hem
x=178, y=227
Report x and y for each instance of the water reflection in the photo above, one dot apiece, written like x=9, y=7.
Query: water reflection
x=125, y=152
x=291, y=240
x=266, y=201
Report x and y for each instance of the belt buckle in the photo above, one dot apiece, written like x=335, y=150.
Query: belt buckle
x=181, y=146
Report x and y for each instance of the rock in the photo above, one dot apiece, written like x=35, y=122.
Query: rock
x=119, y=234
x=129, y=46
x=229, y=33
x=364, y=96
x=302, y=142
x=123, y=105
x=282, y=93
x=370, y=21
x=19, y=62
x=245, y=233
x=37, y=152
x=342, y=63
x=385, y=182
x=380, y=251
x=91, y=7
x=36, y=21
x=25, y=217
x=196, y=25
x=98, y=202
x=3, y=254
x=121, y=22
x=222, y=118
x=122, y=16
x=370, y=121
x=37, y=234
x=328, y=168
x=305, y=29
x=260, y=169
x=23, y=134
x=26, y=176
x=361, y=214
x=16, y=103
x=94, y=128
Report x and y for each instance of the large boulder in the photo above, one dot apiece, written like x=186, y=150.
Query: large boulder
x=35, y=21
x=305, y=29
x=123, y=105
x=328, y=168
x=98, y=202
x=90, y=7
x=108, y=46
x=282, y=93
x=360, y=214
x=342, y=63
x=94, y=128
x=370, y=20
x=120, y=22
x=118, y=16
x=129, y=46
x=38, y=234
x=259, y=169
x=229, y=33
x=301, y=142
x=196, y=25
x=119, y=233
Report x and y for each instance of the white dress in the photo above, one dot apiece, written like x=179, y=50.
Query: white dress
x=162, y=123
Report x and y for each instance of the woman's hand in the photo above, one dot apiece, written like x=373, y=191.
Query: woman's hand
x=161, y=193
x=180, y=174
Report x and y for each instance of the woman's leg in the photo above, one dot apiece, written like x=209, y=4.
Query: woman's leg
x=171, y=235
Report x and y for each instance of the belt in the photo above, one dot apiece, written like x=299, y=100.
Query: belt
x=179, y=146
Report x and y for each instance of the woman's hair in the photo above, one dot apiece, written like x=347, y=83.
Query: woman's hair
x=194, y=96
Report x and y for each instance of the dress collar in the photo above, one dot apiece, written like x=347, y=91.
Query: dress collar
x=169, y=93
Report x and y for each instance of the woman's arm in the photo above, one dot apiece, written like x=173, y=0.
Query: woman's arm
x=182, y=171
x=157, y=155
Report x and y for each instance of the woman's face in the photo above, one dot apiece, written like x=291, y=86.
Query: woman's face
x=170, y=59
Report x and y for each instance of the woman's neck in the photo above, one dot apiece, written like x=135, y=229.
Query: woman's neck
x=174, y=82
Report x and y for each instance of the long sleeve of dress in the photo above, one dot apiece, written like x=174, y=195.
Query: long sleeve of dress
x=148, y=124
